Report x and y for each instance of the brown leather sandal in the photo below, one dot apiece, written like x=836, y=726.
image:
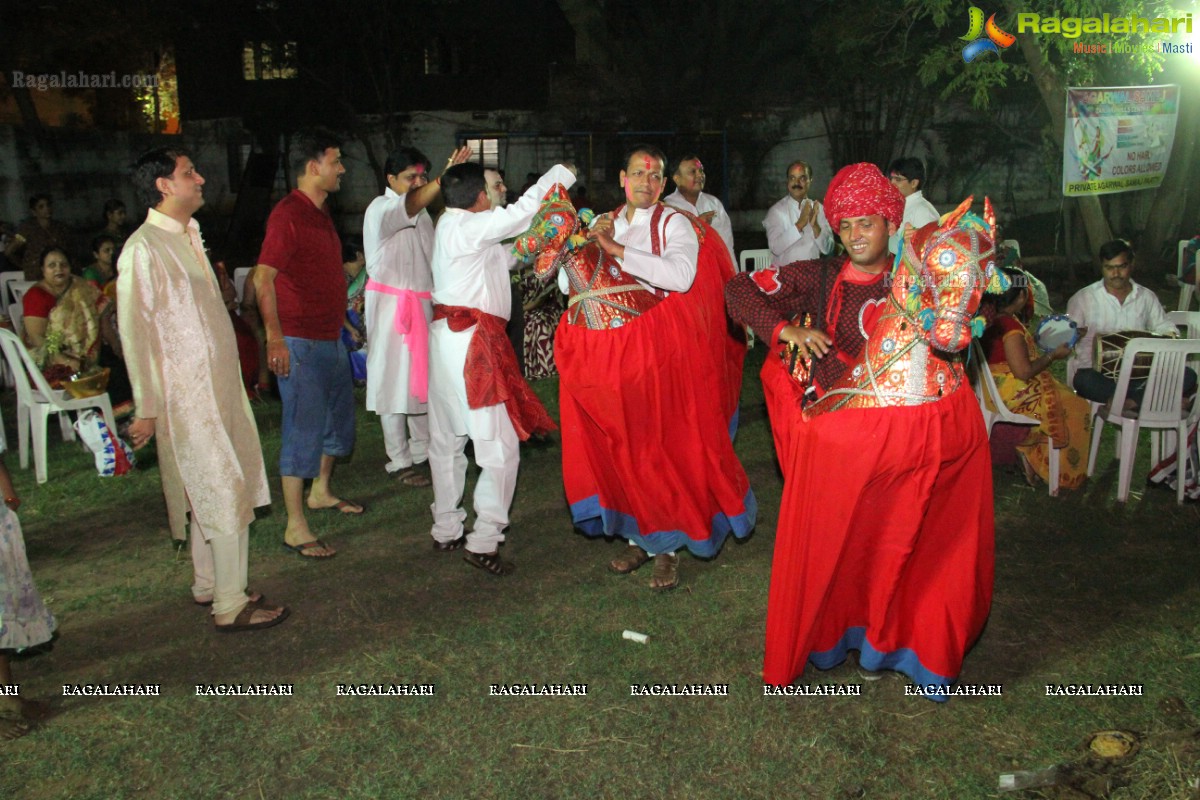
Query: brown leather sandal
x=666, y=572
x=631, y=559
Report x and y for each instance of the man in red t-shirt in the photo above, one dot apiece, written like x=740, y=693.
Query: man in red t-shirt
x=302, y=298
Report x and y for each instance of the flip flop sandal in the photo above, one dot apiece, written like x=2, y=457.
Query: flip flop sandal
x=242, y=621
x=492, y=562
x=631, y=559
x=299, y=549
x=412, y=477
x=666, y=573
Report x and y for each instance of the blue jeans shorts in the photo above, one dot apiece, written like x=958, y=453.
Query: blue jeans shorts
x=318, y=406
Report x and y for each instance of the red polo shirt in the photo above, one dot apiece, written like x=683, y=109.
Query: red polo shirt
x=310, y=289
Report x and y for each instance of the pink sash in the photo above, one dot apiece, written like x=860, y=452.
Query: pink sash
x=413, y=330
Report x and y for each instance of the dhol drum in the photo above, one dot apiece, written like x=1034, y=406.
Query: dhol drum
x=1110, y=350
x=1056, y=330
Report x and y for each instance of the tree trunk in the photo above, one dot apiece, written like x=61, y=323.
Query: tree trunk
x=1054, y=95
x=1167, y=222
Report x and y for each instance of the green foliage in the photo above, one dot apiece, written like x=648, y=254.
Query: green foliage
x=942, y=66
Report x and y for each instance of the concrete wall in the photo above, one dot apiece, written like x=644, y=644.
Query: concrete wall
x=82, y=169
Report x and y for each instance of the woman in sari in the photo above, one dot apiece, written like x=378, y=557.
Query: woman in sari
x=1023, y=378
x=69, y=327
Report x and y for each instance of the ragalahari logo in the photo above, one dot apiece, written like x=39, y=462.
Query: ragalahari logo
x=993, y=41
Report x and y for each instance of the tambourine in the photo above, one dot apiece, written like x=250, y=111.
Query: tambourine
x=1056, y=330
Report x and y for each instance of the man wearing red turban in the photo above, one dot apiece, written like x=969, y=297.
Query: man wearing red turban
x=813, y=314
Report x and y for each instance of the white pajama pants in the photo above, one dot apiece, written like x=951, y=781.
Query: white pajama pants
x=451, y=424
x=406, y=438
x=219, y=565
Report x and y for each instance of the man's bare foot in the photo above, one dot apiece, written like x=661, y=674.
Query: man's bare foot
x=337, y=504
x=299, y=538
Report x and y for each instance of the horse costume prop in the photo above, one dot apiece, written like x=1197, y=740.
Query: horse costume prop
x=885, y=536
x=648, y=387
x=937, y=282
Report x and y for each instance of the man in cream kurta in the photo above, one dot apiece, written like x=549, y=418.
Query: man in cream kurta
x=183, y=365
x=470, y=270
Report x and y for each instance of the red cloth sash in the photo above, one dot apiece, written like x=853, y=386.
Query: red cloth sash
x=491, y=372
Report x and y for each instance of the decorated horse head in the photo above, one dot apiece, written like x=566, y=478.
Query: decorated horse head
x=601, y=295
x=938, y=279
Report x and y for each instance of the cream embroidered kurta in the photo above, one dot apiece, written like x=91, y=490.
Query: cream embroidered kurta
x=182, y=360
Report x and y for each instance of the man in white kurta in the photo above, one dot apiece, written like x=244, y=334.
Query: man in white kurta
x=797, y=229
x=470, y=270
x=183, y=365
x=908, y=175
x=398, y=242
x=690, y=196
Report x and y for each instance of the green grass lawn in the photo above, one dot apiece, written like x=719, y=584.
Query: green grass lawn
x=1087, y=591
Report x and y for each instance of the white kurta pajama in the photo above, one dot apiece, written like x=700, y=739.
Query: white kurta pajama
x=788, y=243
x=470, y=269
x=705, y=203
x=398, y=250
x=182, y=359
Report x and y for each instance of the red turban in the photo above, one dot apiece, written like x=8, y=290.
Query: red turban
x=860, y=190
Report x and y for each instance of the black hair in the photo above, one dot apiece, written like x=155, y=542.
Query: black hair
x=650, y=150
x=37, y=198
x=909, y=167
x=149, y=167
x=111, y=205
x=53, y=249
x=99, y=240
x=1020, y=284
x=688, y=157
x=401, y=158
x=308, y=145
x=1110, y=250
x=462, y=183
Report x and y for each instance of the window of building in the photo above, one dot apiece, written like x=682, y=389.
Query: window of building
x=485, y=152
x=267, y=61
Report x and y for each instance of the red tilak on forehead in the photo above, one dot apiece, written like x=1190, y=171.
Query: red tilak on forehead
x=648, y=163
x=419, y=168
x=696, y=161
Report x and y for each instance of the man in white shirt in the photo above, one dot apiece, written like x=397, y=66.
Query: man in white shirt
x=398, y=242
x=908, y=175
x=690, y=196
x=475, y=388
x=1114, y=303
x=796, y=226
x=660, y=506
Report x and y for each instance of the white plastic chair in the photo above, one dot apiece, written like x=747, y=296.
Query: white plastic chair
x=239, y=281
x=1186, y=292
x=7, y=278
x=36, y=401
x=1161, y=409
x=19, y=288
x=750, y=260
x=994, y=410
x=16, y=315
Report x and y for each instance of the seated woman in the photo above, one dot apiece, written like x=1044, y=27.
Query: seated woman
x=69, y=328
x=102, y=273
x=1027, y=387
